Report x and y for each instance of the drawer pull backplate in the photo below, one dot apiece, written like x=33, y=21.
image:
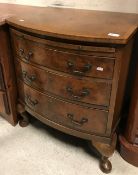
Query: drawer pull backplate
x=27, y=56
x=85, y=69
x=79, y=123
x=31, y=102
x=28, y=78
x=83, y=93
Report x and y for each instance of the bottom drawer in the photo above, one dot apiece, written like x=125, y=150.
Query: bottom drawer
x=67, y=114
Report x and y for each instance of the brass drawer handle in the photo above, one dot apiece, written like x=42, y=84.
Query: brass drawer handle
x=83, y=93
x=79, y=123
x=31, y=102
x=21, y=52
x=85, y=69
x=28, y=56
x=24, y=56
x=28, y=78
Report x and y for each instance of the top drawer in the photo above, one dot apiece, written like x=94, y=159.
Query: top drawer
x=58, y=56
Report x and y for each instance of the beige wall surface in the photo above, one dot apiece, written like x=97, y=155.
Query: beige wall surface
x=130, y=6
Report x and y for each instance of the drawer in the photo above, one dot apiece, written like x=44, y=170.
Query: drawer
x=34, y=50
x=88, y=90
x=64, y=113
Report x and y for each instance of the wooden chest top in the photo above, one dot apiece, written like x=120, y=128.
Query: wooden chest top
x=80, y=25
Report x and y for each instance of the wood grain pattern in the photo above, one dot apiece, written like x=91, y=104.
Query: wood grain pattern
x=4, y=104
x=10, y=93
x=62, y=112
x=41, y=20
x=2, y=84
x=119, y=75
x=119, y=82
x=67, y=51
x=67, y=130
x=86, y=90
x=129, y=136
x=131, y=133
x=57, y=58
x=81, y=25
x=128, y=151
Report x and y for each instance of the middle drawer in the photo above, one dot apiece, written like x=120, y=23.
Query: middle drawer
x=88, y=90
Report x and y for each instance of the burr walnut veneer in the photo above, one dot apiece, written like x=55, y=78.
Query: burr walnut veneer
x=74, y=86
x=68, y=69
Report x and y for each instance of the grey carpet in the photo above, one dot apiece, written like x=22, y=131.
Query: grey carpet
x=41, y=150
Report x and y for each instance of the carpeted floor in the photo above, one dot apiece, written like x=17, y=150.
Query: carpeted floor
x=40, y=150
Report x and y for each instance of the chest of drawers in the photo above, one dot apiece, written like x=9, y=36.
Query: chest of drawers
x=71, y=67
x=75, y=87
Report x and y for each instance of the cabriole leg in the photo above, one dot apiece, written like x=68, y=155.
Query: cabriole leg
x=105, y=151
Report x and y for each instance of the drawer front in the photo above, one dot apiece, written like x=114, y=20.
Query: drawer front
x=86, y=90
x=54, y=58
x=64, y=113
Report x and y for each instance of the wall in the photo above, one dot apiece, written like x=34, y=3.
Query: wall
x=109, y=5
